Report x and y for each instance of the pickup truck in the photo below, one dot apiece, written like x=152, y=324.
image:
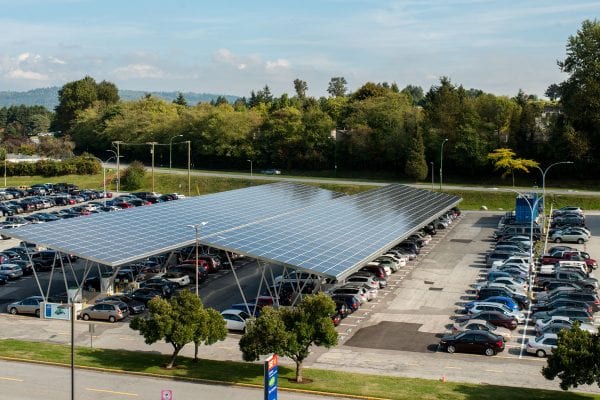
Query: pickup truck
x=570, y=276
x=549, y=269
x=570, y=256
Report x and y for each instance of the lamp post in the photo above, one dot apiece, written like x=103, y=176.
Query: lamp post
x=152, y=144
x=197, y=229
x=431, y=162
x=544, y=172
x=118, y=142
x=442, y=161
x=189, y=143
x=171, y=150
x=103, y=164
x=250, y=161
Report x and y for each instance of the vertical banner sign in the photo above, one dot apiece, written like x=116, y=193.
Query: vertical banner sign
x=271, y=377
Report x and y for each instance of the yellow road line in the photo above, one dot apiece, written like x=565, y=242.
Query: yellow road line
x=4, y=378
x=112, y=392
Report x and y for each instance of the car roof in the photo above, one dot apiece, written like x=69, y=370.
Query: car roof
x=549, y=336
x=233, y=311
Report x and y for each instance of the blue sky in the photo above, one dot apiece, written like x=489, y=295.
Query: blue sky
x=233, y=47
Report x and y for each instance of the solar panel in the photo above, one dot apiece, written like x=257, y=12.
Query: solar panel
x=336, y=237
x=117, y=238
x=285, y=223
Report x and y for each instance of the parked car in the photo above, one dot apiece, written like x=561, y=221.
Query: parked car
x=109, y=311
x=505, y=300
x=542, y=346
x=235, y=320
x=569, y=235
x=473, y=342
x=479, y=324
x=144, y=295
x=557, y=325
x=485, y=306
x=562, y=302
x=494, y=317
x=11, y=271
x=579, y=314
x=29, y=305
x=181, y=278
x=134, y=306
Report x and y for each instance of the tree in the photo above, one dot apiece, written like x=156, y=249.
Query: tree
x=416, y=166
x=369, y=89
x=291, y=332
x=180, y=100
x=179, y=321
x=505, y=159
x=553, y=92
x=301, y=87
x=415, y=92
x=337, y=86
x=575, y=359
x=108, y=92
x=133, y=177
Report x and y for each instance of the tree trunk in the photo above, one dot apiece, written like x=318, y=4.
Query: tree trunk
x=513, y=177
x=298, y=371
x=196, y=351
x=172, y=360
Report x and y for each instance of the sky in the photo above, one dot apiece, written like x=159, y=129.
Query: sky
x=233, y=47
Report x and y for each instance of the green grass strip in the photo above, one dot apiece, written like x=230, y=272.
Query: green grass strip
x=326, y=381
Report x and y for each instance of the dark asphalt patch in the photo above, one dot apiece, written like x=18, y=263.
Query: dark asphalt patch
x=401, y=336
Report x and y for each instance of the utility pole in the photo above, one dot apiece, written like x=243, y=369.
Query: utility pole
x=442, y=161
x=189, y=143
x=171, y=150
x=118, y=142
x=152, y=152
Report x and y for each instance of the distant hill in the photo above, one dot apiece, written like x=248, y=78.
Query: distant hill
x=48, y=97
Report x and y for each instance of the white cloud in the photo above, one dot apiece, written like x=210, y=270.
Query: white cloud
x=279, y=64
x=55, y=60
x=139, y=71
x=22, y=57
x=29, y=75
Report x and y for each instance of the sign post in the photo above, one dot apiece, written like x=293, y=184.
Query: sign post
x=271, y=377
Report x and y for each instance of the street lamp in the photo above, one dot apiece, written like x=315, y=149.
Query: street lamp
x=197, y=229
x=250, y=161
x=118, y=142
x=103, y=165
x=544, y=172
x=171, y=150
x=442, y=161
x=116, y=156
x=152, y=144
x=189, y=143
x=431, y=163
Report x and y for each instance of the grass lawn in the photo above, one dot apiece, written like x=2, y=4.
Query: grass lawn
x=248, y=373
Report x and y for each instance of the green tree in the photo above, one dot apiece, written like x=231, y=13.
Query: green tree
x=504, y=159
x=553, y=92
x=133, y=177
x=575, y=361
x=337, y=86
x=179, y=321
x=108, y=92
x=180, y=100
x=291, y=332
x=415, y=92
x=369, y=89
x=416, y=166
x=301, y=87
x=73, y=97
x=56, y=147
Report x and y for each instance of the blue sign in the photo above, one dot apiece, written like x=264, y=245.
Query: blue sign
x=271, y=377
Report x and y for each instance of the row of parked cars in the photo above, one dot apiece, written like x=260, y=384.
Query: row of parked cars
x=357, y=289
x=565, y=293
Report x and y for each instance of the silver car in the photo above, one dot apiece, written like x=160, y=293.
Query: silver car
x=542, y=346
x=11, y=271
x=30, y=305
x=111, y=311
x=569, y=235
x=370, y=292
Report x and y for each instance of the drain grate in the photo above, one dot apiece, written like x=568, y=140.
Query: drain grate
x=439, y=289
x=461, y=240
x=429, y=282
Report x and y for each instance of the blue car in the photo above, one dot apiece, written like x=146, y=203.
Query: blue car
x=507, y=301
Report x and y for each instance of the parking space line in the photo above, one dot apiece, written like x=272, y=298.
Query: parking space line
x=450, y=367
x=112, y=392
x=5, y=378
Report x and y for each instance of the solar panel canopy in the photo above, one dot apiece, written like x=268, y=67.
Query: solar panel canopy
x=291, y=224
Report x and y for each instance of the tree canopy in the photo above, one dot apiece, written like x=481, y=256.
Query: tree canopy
x=504, y=159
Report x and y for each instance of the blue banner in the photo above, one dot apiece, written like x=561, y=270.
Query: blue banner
x=271, y=377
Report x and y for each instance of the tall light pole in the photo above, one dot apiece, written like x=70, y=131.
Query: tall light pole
x=197, y=228
x=250, y=161
x=544, y=172
x=189, y=143
x=171, y=150
x=118, y=142
x=152, y=144
x=431, y=162
x=103, y=165
x=442, y=161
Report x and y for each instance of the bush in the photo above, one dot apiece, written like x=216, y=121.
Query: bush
x=133, y=177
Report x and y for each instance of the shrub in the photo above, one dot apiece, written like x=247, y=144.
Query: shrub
x=133, y=177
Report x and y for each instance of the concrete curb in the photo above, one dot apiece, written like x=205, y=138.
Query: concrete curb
x=191, y=380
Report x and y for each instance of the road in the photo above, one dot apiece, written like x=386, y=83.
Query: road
x=24, y=381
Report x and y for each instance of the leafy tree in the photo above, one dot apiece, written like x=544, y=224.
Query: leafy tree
x=179, y=321
x=553, y=92
x=133, y=177
x=504, y=158
x=337, y=86
x=180, y=100
x=416, y=166
x=575, y=359
x=56, y=147
x=73, y=97
x=108, y=92
x=369, y=89
x=291, y=332
x=301, y=87
x=415, y=92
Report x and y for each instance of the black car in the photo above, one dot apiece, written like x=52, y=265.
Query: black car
x=562, y=302
x=473, y=341
x=579, y=314
x=6, y=210
x=579, y=295
x=144, y=295
x=135, y=306
x=493, y=317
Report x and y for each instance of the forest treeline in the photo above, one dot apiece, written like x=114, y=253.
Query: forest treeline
x=379, y=127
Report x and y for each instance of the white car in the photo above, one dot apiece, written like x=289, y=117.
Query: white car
x=235, y=319
x=490, y=306
x=542, y=346
x=370, y=292
x=365, y=280
x=180, y=279
x=542, y=323
x=508, y=281
x=569, y=235
x=90, y=207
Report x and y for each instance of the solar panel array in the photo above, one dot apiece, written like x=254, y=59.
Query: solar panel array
x=285, y=223
x=117, y=238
